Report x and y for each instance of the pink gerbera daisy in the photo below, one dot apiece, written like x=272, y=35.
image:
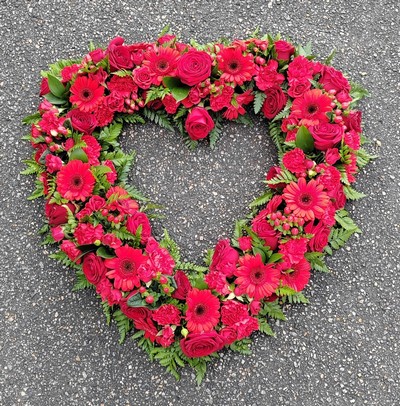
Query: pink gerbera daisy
x=203, y=310
x=75, y=181
x=297, y=276
x=255, y=278
x=161, y=63
x=86, y=93
x=124, y=268
x=306, y=200
x=235, y=66
x=311, y=107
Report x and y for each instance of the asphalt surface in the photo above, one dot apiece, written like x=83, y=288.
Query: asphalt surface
x=342, y=349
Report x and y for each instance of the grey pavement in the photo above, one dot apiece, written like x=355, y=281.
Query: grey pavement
x=342, y=349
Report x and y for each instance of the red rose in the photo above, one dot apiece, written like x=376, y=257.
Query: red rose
x=56, y=214
x=229, y=334
x=353, y=121
x=82, y=121
x=143, y=77
x=115, y=102
x=139, y=219
x=284, y=50
x=338, y=197
x=224, y=259
x=97, y=55
x=57, y=233
x=147, y=325
x=194, y=67
x=197, y=345
x=321, y=236
x=272, y=173
x=295, y=161
x=183, y=286
x=167, y=314
x=111, y=240
x=119, y=55
x=134, y=313
x=298, y=87
x=95, y=203
x=333, y=79
x=93, y=268
x=332, y=155
x=167, y=337
x=199, y=123
x=53, y=163
x=245, y=243
x=266, y=232
x=274, y=102
x=326, y=135
x=44, y=87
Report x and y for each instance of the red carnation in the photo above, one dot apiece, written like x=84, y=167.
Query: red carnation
x=233, y=312
x=256, y=279
x=122, y=85
x=203, y=310
x=167, y=314
x=201, y=344
x=170, y=104
x=86, y=93
x=70, y=249
x=75, y=181
x=295, y=161
x=86, y=233
x=194, y=67
x=268, y=76
x=294, y=250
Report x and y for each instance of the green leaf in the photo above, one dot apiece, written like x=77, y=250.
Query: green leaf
x=261, y=200
x=32, y=118
x=357, y=92
x=316, y=260
x=123, y=323
x=78, y=154
x=164, y=31
x=329, y=59
x=81, y=282
x=136, y=301
x=342, y=217
x=352, y=194
x=275, y=258
x=54, y=100
x=259, y=98
x=265, y=328
x=56, y=87
x=179, y=90
x=304, y=140
x=172, y=247
x=215, y=134
x=200, y=284
x=104, y=252
x=274, y=310
x=107, y=311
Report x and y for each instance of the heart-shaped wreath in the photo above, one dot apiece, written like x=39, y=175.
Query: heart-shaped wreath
x=182, y=312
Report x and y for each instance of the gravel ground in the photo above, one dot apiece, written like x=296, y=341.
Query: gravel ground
x=342, y=349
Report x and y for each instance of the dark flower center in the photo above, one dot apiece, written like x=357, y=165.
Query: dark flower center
x=200, y=309
x=163, y=65
x=127, y=266
x=86, y=94
x=257, y=276
x=234, y=66
x=306, y=199
x=77, y=181
x=312, y=108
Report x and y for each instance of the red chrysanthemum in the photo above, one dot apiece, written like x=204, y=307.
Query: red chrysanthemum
x=86, y=93
x=255, y=278
x=312, y=107
x=297, y=276
x=75, y=181
x=235, y=66
x=203, y=311
x=124, y=267
x=306, y=200
x=161, y=63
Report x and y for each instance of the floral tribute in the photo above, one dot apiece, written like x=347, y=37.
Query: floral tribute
x=182, y=313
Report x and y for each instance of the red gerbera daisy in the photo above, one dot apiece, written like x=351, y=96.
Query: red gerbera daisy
x=75, y=181
x=124, y=267
x=312, y=107
x=297, y=276
x=162, y=62
x=203, y=310
x=86, y=93
x=307, y=200
x=235, y=66
x=256, y=279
